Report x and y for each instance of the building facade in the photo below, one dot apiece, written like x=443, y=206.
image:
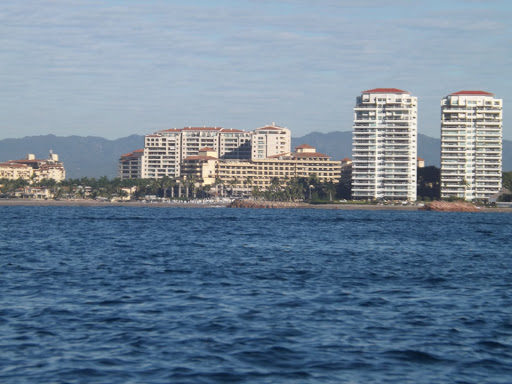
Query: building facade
x=269, y=141
x=14, y=171
x=130, y=165
x=34, y=169
x=471, y=145
x=164, y=151
x=384, y=145
x=244, y=175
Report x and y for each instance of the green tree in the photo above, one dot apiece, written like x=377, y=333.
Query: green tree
x=507, y=180
x=429, y=183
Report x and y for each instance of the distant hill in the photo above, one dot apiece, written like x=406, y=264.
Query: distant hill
x=82, y=156
x=95, y=156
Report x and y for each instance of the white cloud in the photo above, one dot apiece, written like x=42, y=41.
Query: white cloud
x=237, y=62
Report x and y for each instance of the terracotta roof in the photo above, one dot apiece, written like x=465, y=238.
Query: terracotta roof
x=385, y=90
x=346, y=159
x=134, y=153
x=475, y=93
x=420, y=159
x=14, y=165
x=304, y=146
x=171, y=130
x=231, y=130
x=26, y=161
x=154, y=135
x=206, y=149
x=310, y=154
x=280, y=155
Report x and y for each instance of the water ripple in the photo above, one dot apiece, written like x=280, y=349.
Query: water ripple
x=120, y=295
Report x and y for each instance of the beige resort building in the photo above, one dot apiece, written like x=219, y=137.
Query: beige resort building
x=165, y=150
x=34, y=169
x=243, y=175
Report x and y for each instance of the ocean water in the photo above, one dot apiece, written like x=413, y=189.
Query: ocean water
x=181, y=295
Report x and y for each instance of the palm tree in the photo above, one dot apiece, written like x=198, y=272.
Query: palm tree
x=219, y=184
x=165, y=183
x=248, y=182
x=330, y=188
x=274, y=188
x=233, y=183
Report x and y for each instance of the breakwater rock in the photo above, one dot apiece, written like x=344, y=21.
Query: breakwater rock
x=264, y=204
x=445, y=206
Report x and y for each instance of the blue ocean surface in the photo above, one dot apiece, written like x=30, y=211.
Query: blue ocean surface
x=182, y=295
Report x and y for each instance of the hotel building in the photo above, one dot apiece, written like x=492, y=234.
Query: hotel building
x=34, y=169
x=384, y=145
x=206, y=168
x=471, y=145
x=165, y=150
x=130, y=165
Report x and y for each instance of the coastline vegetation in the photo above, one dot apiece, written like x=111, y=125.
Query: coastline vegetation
x=300, y=189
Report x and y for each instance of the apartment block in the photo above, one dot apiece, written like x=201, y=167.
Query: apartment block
x=34, y=169
x=165, y=150
x=384, y=145
x=130, y=165
x=269, y=141
x=471, y=145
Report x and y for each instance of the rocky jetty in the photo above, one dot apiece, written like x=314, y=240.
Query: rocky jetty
x=264, y=204
x=445, y=206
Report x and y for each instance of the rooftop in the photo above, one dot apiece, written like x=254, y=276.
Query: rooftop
x=472, y=93
x=310, y=154
x=385, y=90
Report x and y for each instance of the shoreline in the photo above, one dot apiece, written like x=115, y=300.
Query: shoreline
x=93, y=203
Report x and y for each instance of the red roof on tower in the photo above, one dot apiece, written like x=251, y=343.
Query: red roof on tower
x=304, y=146
x=385, y=90
x=475, y=93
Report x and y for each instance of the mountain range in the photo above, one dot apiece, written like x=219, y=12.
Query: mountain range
x=95, y=156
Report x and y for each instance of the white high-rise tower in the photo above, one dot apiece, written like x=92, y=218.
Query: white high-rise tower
x=471, y=145
x=384, y=145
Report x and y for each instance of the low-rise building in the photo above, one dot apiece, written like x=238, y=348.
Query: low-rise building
x=243, y=176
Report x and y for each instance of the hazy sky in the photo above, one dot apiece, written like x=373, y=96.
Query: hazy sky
x=116, y=68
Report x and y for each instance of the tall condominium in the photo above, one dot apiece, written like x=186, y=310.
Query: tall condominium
x=471, y=145
x=384, y=145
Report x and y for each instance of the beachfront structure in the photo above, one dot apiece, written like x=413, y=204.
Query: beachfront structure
x=13, y=171
x=384, y=145
x=34, y=169
x=471, y=145
x=244, y=175
x=165, y=150
x=130, y=165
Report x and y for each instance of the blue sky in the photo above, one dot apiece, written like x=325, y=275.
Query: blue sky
x=116, y=68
